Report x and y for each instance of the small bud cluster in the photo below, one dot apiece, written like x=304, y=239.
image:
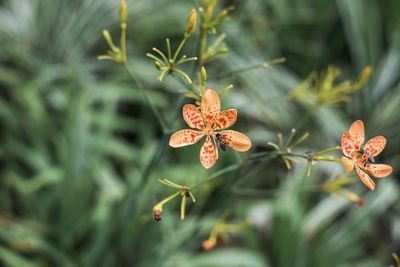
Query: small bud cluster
x=182, y=191
x=320, y=89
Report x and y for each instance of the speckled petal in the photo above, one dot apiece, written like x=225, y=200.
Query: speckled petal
x=210, y=105
x=236, y=140
x=208, y=153
x=365, y=179
x=193, y=116
x=348, y=147
x=225, y=119
x=379, y=170
x=375, y=146
x=185, y=137
x=357, y=134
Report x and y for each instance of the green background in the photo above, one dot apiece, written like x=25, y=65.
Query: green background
x=81, y=152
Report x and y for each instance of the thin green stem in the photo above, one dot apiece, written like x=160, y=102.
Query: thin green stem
x=327, y=158
x=184, y=75
x=183, y=206
x=161, y=54
x=178, y=50
x=123, y=42
x=168, y=199
x=249, y=68
x=109, y=41
x=168, y=47
x=184, y=59
x=170, y=184
x=310, y=157
x=154, y=57
x=290, y=138
x=139, y=84
x=328, y=150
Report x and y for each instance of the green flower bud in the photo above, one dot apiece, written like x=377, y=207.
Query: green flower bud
x=191, y=23
x=122, y=11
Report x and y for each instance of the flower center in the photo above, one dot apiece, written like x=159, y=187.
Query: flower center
x=208, y=130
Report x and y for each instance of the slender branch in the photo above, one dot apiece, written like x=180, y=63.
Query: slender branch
x=310, y=157
x=168, y=47
x=328, y=150
x=161, y=54
x=168, y=199
x=148, y=98
x=249, y=68
x=178, y=50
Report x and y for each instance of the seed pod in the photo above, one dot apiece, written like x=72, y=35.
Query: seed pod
x=157, y=215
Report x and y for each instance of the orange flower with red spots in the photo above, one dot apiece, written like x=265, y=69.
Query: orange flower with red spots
x=209, y=121
x=361, y=158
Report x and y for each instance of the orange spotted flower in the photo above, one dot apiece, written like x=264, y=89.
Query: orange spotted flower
x=361, y=158
x=208, y=120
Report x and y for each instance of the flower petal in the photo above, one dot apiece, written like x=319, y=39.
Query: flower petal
x=348, y=146
x=348, y=164
x=210, y=105
x=185, y=137
x=365, y=179
x=236, y=140
x=208, y=153
x=357, y=134
x=375, y=145
x=225, y=119
x=379, y=170
x=193, y=116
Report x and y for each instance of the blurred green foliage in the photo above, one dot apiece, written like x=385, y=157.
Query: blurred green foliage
x=81, y=152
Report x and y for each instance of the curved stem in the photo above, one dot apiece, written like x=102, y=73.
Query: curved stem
x=328, y=150
x=310, y=157
x=178, y=50
x=139, y=84
x=249, y=68
x=166, y=200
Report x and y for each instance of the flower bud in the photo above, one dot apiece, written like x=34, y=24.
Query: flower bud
x=122, y=11
x=191, y=23
x=348, y=164
x=157, y=64
x=209, y=243
x=365, y=74
x=203, y=75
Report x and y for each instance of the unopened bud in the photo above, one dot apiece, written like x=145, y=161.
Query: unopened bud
x=365, y=74
x=122, y=11
x=223, y=49
x=157, y=64
x=203, y=75
x=209, y=243
x=191, y=23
